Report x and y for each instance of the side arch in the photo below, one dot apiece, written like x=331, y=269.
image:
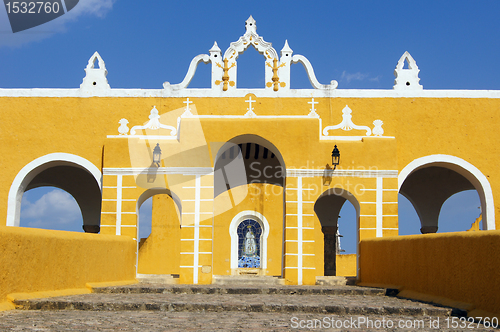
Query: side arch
x=157, y=191
x=234, y=235
x=463, y=168
x=25, y=176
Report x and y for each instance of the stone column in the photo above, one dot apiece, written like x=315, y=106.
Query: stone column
x=330, y=249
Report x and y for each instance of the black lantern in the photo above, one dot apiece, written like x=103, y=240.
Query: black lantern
x=335, y=157
x=157, y=155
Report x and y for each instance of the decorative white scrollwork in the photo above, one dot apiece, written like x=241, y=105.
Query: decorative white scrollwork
x=154, y=124
x=347, y=123
x=310, y=73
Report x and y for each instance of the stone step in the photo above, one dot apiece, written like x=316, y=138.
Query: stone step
x=230, y=302
x=167, y=279
x=247, y=279
x=242, y=289
x=331, y=281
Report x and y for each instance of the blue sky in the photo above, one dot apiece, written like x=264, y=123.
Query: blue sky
x=357, y=43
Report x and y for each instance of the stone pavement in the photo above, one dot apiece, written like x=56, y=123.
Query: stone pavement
x=231, y=308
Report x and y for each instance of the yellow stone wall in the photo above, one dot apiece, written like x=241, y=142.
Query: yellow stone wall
x=454, y=269
x=346, y=265
x=159, y=253
x=36, y=126
x=37, y=260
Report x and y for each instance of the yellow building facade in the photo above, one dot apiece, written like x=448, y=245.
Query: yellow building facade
x=243, y=179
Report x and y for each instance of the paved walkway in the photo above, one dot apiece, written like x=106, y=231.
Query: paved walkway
x=209, y=308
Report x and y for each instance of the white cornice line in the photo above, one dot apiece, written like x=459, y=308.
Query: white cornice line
x=289, y=172
x=342, y=173
x=159, y=170
x=259, y=93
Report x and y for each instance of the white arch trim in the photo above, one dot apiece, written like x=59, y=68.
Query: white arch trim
x=233, y=227
x=464, y=168
x=28, y=172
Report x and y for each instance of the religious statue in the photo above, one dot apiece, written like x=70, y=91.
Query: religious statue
x=250, y=244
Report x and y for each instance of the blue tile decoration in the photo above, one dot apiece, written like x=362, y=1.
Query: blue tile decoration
x=249, y=235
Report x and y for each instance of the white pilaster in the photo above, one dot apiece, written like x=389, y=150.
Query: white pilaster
x=119, y=185
x=299, y=230
x=379, y=206
x=196, y=255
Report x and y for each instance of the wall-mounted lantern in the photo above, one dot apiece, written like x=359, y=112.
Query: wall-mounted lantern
x=327, y=175
x=335, y=157
x=157, y=155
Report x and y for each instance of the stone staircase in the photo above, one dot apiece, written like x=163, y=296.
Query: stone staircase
x=261, y=305
x=254, y=298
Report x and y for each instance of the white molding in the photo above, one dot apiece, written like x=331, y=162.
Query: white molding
x=259, y=93
x=159, y=170
x=28, y=173
x=233, y=228
x=350, y=138
x=342, y=173
x=464, y=168
x=290, y=172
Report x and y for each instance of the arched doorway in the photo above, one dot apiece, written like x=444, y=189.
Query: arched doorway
x=429, y=181
x=249, y=178
x=159, y=252
x=73, y=174
x=327, y=208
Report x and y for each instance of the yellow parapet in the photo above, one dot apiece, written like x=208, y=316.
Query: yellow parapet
x=50, y=263
x=446, y=268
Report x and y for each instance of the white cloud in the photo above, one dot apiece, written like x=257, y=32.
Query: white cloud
x=56, y=209
x=97, y=8
x=358, y=77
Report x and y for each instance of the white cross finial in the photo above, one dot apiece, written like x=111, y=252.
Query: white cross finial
x=250, y=101
x=313, y=109
x=312, y=102
x=187, y=102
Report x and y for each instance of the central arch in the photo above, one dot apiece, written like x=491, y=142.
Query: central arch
x=249, y=180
